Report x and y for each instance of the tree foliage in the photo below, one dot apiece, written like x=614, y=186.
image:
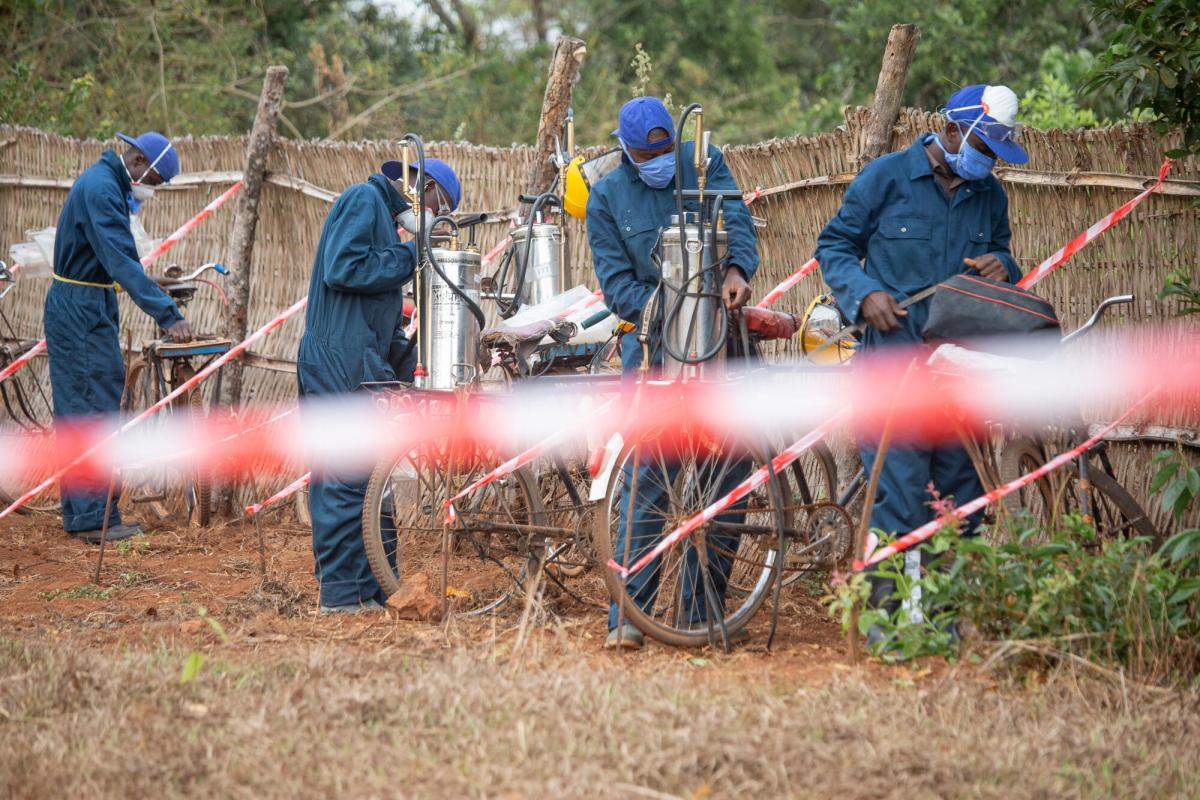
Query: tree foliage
x=475, y=69
x=1154, y=61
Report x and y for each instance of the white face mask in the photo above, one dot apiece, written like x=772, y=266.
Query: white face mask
x=142, y=192
x=408, y=220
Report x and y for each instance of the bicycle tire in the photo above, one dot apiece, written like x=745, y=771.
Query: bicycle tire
x=653, y=624
x=1056, y=497
x=199, y=478
x=140, y=395
x=817, y=484
x=427, y=513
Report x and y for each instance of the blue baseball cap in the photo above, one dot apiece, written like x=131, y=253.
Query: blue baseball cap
x=158, y=150
x=640, y=116
x=990, y=112
x=441, y=173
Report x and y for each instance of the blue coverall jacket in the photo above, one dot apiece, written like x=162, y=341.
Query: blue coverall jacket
x=624, y=220
x=897, y=232
x=351, y=336
x=93, y=248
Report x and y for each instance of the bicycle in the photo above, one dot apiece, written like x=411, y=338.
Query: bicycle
x=163, y=366
x=26, y=402
x=1087, y=487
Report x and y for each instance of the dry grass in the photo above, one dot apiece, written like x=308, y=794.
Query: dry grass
x=323, y=722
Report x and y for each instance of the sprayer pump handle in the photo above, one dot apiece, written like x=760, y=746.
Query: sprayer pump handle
x=472, y=219
x=552, y=200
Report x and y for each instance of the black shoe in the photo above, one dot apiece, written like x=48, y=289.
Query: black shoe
x=115, y=533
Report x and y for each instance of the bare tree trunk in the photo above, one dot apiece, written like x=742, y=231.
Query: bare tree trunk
x=539, y=19
x=443, y=14
x=461, y=23
x=245, y=221
x=467, y=24
x=564, y=73
x=897, y=57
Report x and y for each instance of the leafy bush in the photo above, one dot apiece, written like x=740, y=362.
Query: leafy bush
x=1153, y=60
x=1113, y=603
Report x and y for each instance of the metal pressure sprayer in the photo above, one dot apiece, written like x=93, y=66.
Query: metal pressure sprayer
x=539, y=253
x=692, y=255
x=446, y=292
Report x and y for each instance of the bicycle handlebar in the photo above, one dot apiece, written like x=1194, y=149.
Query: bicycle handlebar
x=215, y=267
x=1115, y=300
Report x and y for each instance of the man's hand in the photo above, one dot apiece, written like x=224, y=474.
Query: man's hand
x=989, y=266
x=881, y=311
x=164, y=282
x=181, y=332
x=735, y=291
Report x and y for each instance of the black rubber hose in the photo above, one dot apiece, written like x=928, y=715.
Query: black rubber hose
x=472, y=306
x=508, y=309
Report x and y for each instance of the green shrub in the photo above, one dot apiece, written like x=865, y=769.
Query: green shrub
x=1114, y=603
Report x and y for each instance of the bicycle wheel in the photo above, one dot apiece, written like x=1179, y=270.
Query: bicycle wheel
x=492, y=541
x=29, y=408
x=197, y=480
x=823, y=539
x=151, y=488
x=31, y=448
x=670, y=599
x=1110, y=508
x=828, y=532
x=563, y=485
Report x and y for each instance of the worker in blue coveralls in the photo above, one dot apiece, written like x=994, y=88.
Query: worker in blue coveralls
x=908, y=221
x=94, y=255
x=626, y=211
x=353, y=335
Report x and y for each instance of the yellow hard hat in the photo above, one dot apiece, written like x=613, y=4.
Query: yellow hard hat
x=822, y=320
x=575, y=189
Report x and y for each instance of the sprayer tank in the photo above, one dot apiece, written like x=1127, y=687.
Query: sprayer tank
x=693, y=320
x=449, y=332
x=548, y=261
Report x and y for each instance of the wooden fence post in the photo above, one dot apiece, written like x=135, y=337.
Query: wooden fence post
x=564, y=73
x=893, y=72
x=245, y=222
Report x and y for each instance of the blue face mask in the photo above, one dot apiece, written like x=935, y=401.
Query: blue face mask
x=968, y=163
x=657, y=172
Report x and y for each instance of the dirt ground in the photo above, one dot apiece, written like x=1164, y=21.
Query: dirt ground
x=186, y=670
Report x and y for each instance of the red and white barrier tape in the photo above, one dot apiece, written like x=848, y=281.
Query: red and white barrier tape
x=281, y=495
x=149, y=259
x=1104, y=223
x=757, y=479
x=233, y=353
x=515, y=463
x=23, y=359
x=187, y=227
x=787, y=283
x=352, y=433
x=930, y=528
x=183, y=455
x=495, y=251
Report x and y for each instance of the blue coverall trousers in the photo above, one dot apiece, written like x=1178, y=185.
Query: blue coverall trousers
x=87, y=379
